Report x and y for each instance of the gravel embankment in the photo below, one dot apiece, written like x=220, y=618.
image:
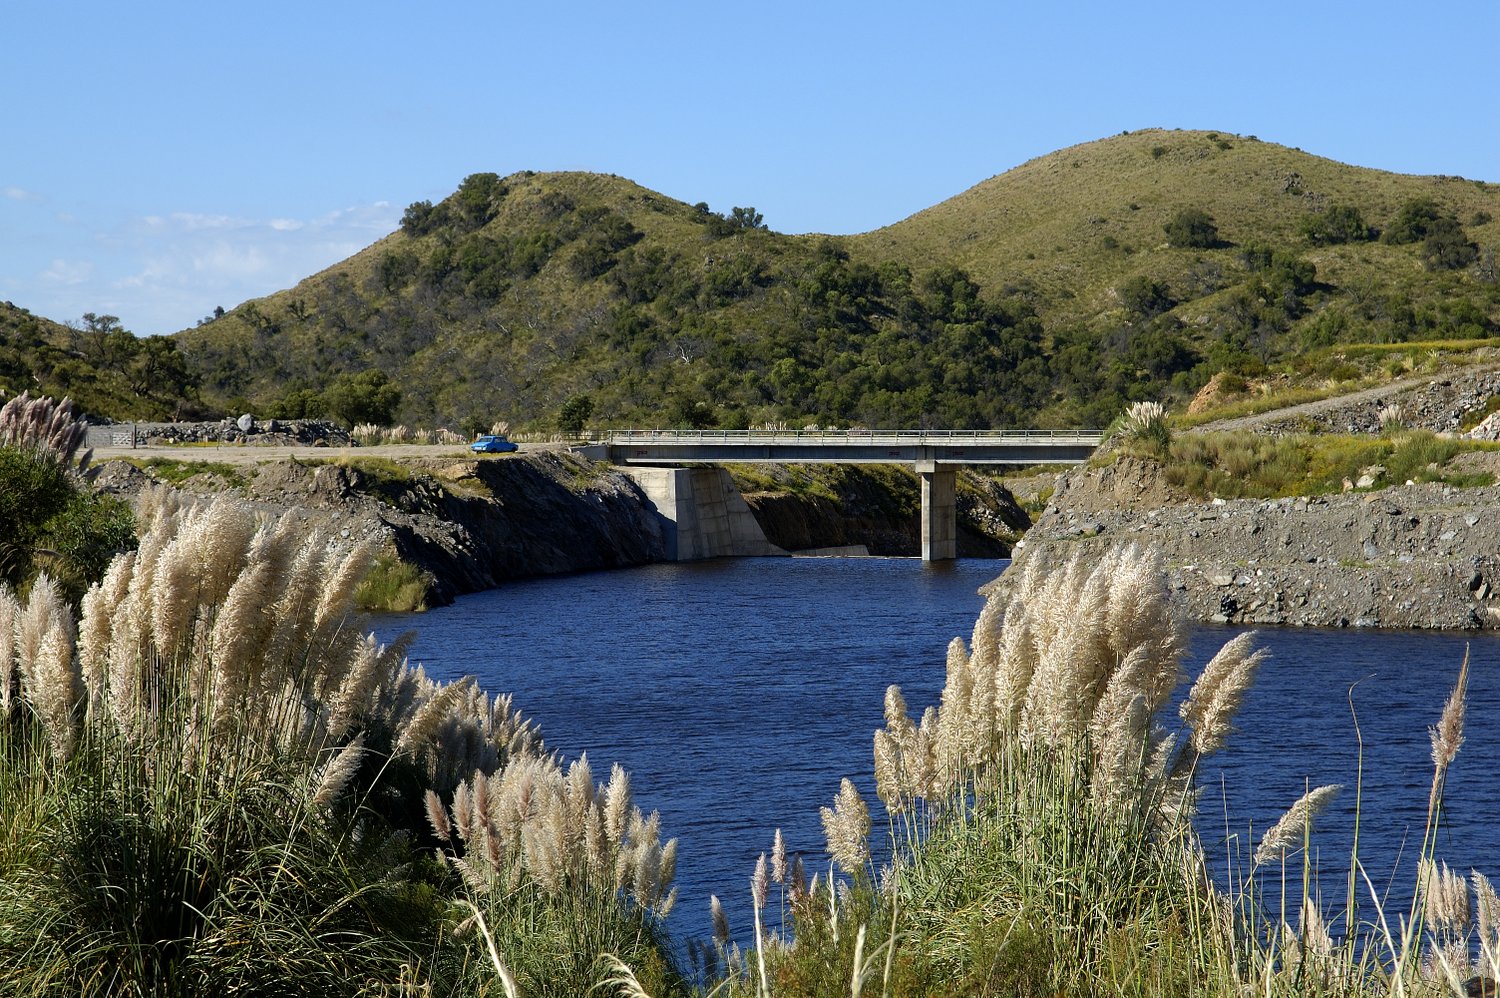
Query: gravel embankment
x=1409, y=556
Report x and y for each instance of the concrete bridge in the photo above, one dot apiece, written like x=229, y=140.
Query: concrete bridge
x=933, y=453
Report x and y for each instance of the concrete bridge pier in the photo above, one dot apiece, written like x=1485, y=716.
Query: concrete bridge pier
x=939, y=511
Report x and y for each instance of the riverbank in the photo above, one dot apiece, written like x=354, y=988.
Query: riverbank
x=1409, y=556
x=459, y=524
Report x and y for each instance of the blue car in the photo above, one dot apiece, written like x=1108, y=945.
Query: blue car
x=491, y=444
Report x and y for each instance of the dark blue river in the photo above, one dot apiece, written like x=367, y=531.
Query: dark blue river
x=738, y=692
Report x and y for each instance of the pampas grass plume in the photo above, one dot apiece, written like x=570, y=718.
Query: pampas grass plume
x=720, y=920
x=437, y=817
x=1290, y=830
x=339, y=771
x=1448, y=736
x=760, y=882
x=847, y=828
x=1217, y=695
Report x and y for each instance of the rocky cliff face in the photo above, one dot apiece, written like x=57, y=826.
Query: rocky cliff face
x=1411, y=556
x=468, y=524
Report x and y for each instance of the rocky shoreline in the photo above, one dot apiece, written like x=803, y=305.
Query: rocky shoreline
x=1410, y=556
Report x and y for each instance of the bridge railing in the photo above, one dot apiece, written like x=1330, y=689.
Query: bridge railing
x=872, y=437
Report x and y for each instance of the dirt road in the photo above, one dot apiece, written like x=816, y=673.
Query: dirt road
x=248, y=454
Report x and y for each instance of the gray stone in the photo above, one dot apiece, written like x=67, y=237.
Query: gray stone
x=246, y=423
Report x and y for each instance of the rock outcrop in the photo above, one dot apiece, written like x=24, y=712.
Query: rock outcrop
x=469, y=524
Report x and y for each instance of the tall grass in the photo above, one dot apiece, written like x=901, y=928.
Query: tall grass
x=213, y=784
x=1041, y=837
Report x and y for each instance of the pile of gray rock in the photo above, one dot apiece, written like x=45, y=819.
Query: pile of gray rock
x=244, y=430
x=1410, y=556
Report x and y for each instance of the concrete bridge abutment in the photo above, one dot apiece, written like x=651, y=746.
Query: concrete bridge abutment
x=702, y=513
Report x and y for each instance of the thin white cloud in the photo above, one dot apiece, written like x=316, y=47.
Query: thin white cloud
x=66, y=272
x=224, y=260
x=186, y=262
x=193, y=222
x=19, y=194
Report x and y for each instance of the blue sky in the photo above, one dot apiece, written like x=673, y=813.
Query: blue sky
x=161, y=158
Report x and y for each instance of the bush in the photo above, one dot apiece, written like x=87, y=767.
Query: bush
x=1412, y=222
x=1446, y=246
x=49, y=517
x=366, y=397
x=1339, y=224
x=1192, y=228
x=1145, y=297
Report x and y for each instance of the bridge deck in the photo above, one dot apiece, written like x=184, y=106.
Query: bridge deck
x=852, y=446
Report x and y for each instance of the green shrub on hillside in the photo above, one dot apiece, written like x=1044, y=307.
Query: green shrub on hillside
x=1447, y=247
x=1412, y=222
x=1192, y=228
x=1339, y=224
x=1146, y=297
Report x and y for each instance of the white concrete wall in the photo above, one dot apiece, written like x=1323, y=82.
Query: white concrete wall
x=705, y=513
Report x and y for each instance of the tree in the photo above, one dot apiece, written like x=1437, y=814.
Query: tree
x=1412, y=222
x=1145, y=297
x=689, y=410
x=1339, y=224
x=1446, y=246
x=158, y=368
x=366, y=397
x=737, y=221
x=746, y=219
x=477, y=199
x=574, y=413
x=1192, y=228
x=420, y=218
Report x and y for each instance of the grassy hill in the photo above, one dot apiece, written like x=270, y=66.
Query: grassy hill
x=1074, y=225
x=1050, y=295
